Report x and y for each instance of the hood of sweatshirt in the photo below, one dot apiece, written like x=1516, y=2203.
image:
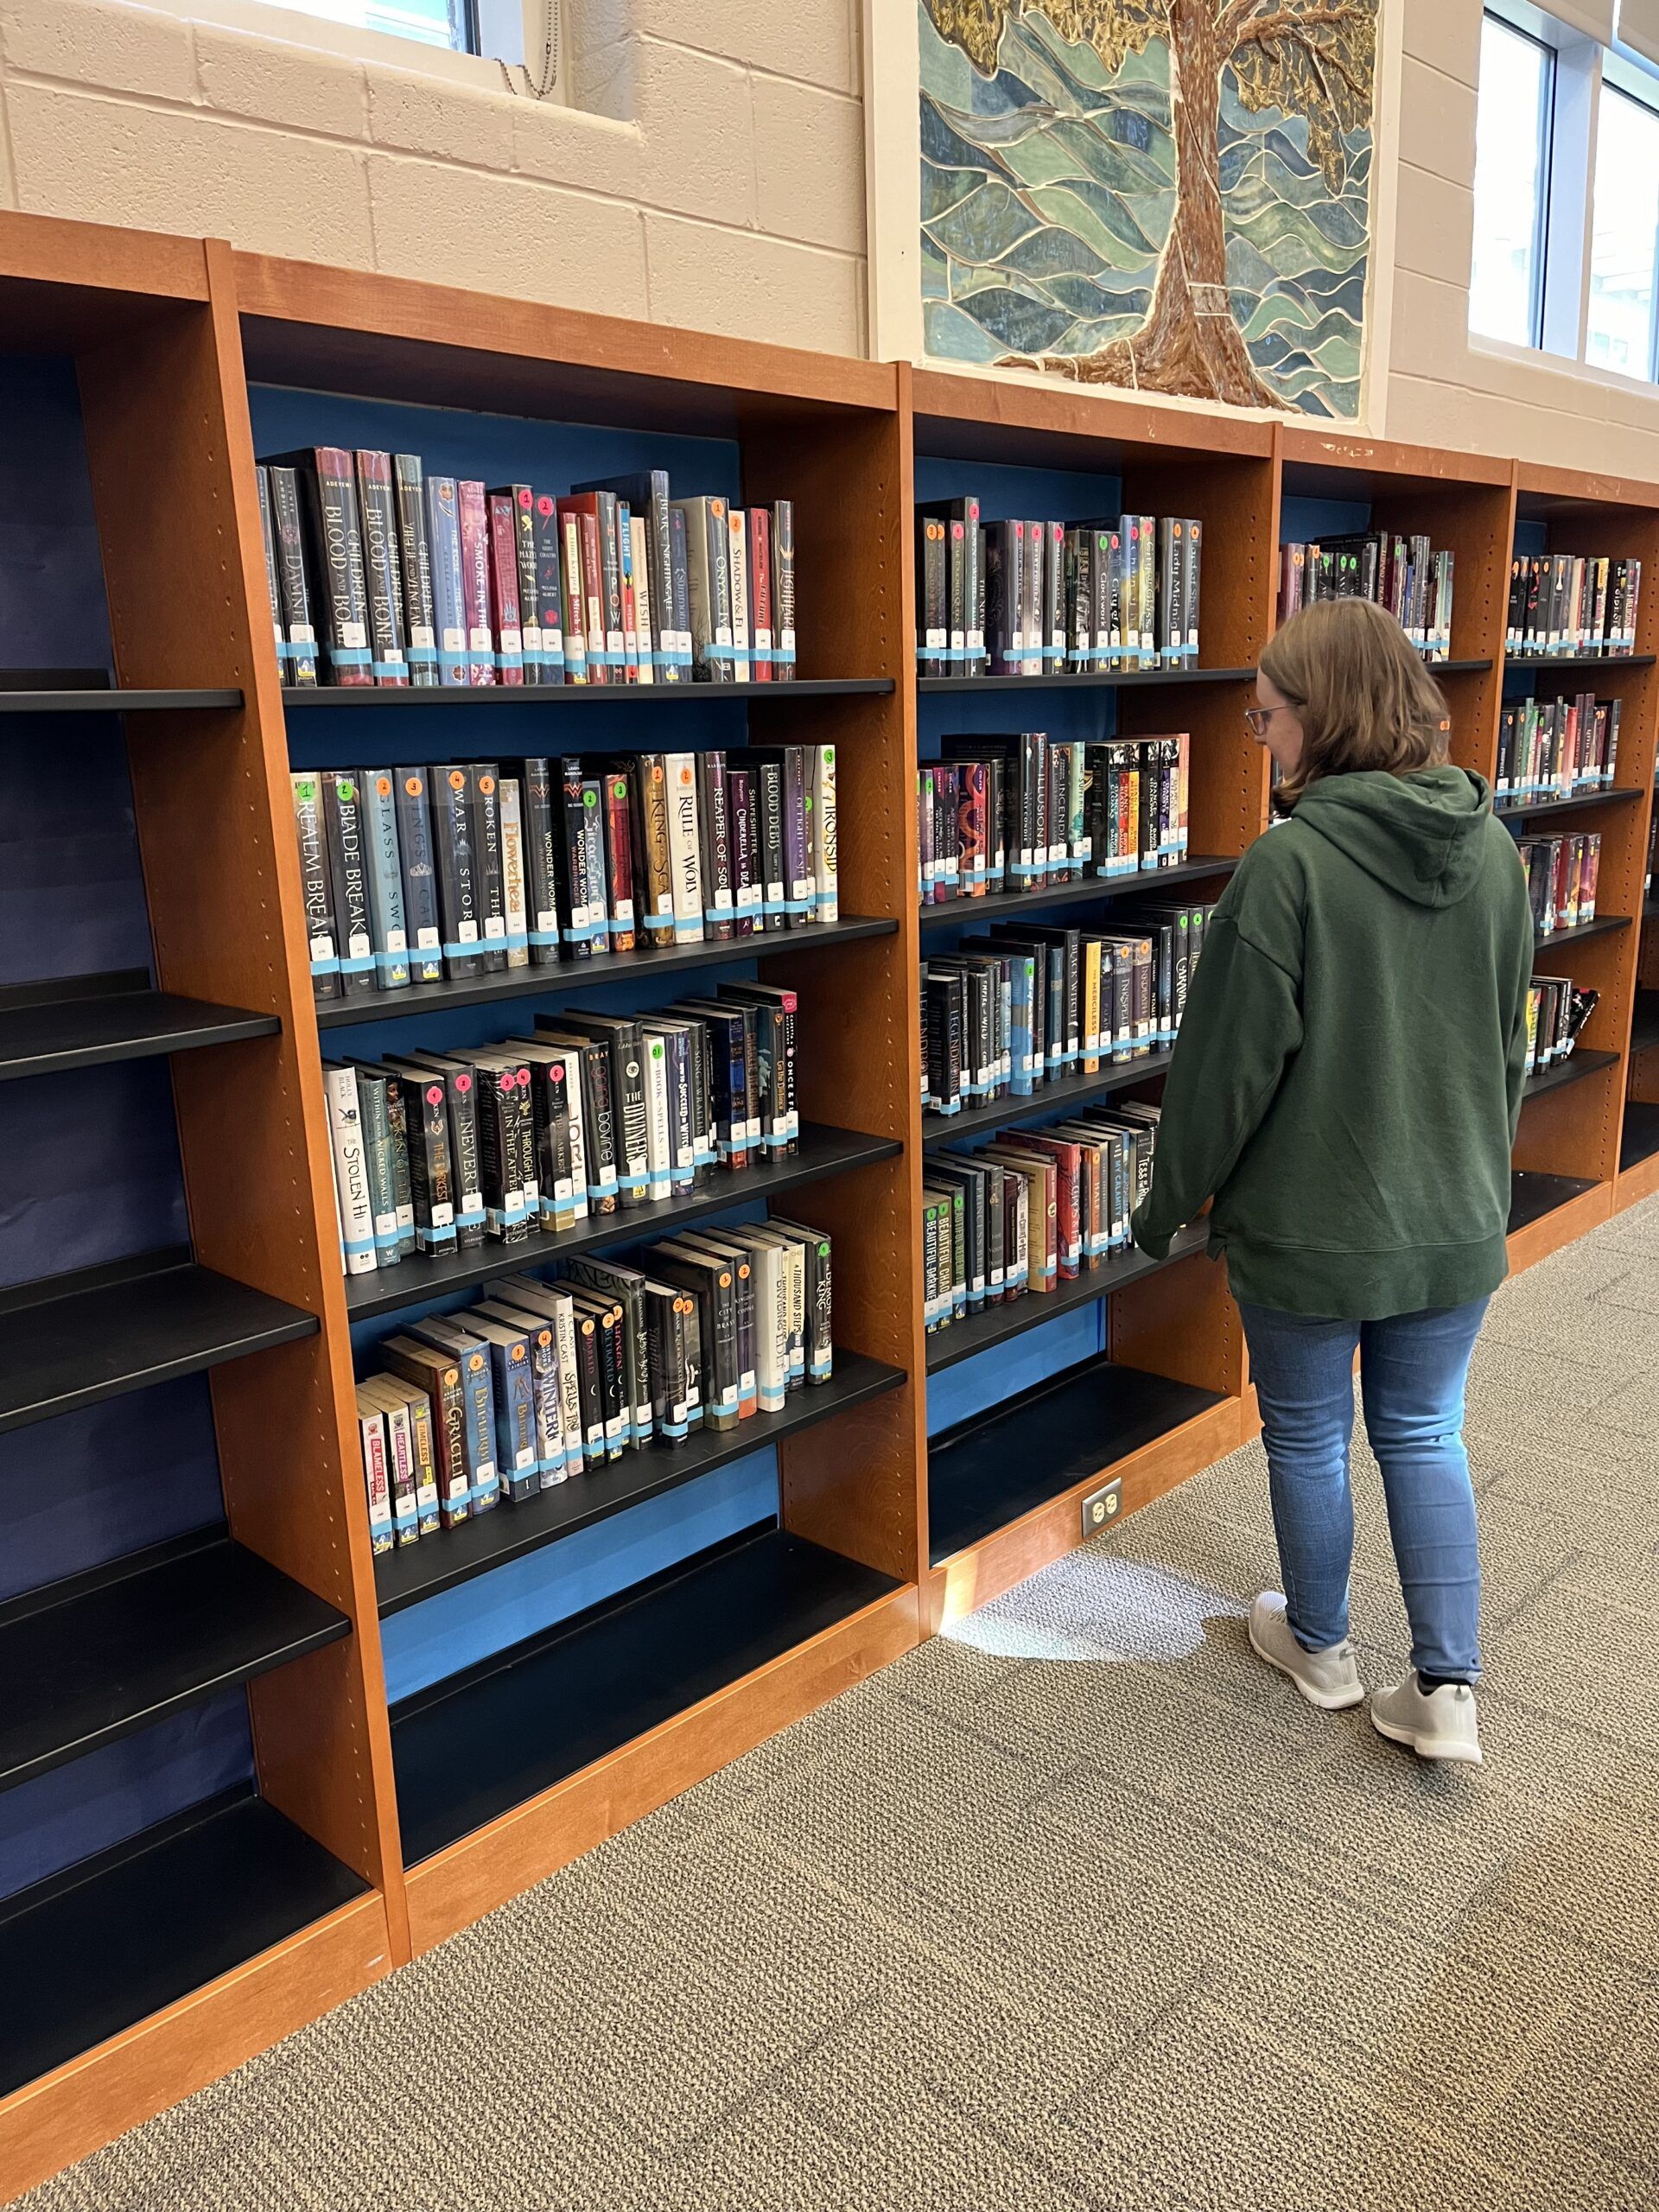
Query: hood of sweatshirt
x=1422, y=834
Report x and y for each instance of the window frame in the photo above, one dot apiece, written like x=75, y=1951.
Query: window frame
x=1534, y=340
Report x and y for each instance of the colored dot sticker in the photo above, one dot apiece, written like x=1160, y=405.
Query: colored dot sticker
x=486, y=785
x=382, y=786
x=412, y=785
x=457, y=780
x=590, y=798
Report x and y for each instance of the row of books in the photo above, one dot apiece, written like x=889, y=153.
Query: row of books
x=1561, y=874
x=380, y=574
x=433, y=1152
x=1404, y=575
x=1574, y=603
x=1556, y=1012
x=544, y=1381
x=1027, y=598
x=1031, y=1210
x=1023, y=813
x=1025, y=1006
x=413, y=875
x=1556, y=747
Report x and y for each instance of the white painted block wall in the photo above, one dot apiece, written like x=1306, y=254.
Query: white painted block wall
x=710, y=176
x=1442, y=389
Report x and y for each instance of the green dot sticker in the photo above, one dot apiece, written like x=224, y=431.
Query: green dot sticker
x=346, y=787
x=619, y=789
x=590, y=798
x=828, y=756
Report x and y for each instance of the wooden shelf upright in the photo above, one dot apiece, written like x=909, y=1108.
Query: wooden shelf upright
x=183, y=1951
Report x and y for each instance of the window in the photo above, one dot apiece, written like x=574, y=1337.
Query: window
x=1625, y=237
x=1512, y=145
x=434, y=22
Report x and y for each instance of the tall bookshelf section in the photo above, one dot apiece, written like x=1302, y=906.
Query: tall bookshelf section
x=330, y=1761
x=1134, y=1372
x=556, y=1668
x=196, y=1759
x=1567, y=1154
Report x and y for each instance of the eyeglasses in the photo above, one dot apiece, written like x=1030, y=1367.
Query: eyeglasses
x=1257, y=718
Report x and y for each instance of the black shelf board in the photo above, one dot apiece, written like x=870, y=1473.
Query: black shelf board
x=69, y=1340
x=570, y=695
x=1121, y=679
x=1549, y=664
x=567, y=978
x=85, y=1022
x=997, y=904
x=823, y=1152
x=95, y=1950
x=113, y=701
x=1576, y=1065
x=995, y=1324
x=1640, y=1140
x=405, y=1578
x=1532, y=1196
x=987, y=1472
x=1644, y=1023
x=1547, y=939
x=1457, y=667
x=1531, y=809
x=91, y=1659
x=1048, y=1099
x=475, y=1746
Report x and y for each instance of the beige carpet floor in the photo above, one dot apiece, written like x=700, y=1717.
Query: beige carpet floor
x=1081, y=1908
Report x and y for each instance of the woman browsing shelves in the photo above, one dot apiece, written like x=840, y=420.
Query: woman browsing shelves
x=1345, y=1087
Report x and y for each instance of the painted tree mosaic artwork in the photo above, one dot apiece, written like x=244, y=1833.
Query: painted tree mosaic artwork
x=1171, y=195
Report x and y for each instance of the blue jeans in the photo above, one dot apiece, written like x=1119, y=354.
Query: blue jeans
x=1412, y=1371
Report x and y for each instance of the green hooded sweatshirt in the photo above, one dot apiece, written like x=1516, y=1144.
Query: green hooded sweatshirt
x=1348, y=1074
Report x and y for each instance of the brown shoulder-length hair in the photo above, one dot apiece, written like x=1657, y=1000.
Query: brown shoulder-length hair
x=1363, y=696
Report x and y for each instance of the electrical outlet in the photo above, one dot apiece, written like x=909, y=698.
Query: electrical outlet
x=1101, y=1507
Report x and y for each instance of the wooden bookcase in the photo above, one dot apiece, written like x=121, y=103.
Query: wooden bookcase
x=372, y=1830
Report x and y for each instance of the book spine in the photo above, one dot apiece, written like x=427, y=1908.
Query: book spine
x=737, y=580
x=825, y=887
x=668, y=645
x=273, y=588
x=619, y=853
x=330, y=491
x=573, y=596
x=685, y=862
x=383, y=568
x=458, y=891
x=610, y=559
x=385, y=872
x=783, y=589
x=423, y=934
x=523, y=500
x=473, y=510
x=546, y=600
x=299, y=651
x=348, y=870
x=653, y=866
x=316, y=884
x=762, y=638
x=375, y=1124
x=773, y=864
x=645, y=601
x=595, y=863
x=351, y=1168
x=420, y=618
x=714, y=823
x=431, y=1170
x=448, y=593
x=515, y=870
x=505, y=616
x=487, y=868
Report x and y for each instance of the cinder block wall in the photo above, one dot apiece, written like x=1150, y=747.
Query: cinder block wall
x=710, y=173
x=1442, y=388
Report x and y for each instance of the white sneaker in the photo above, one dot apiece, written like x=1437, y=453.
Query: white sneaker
x=1440, y=1726
x=1328, y=1679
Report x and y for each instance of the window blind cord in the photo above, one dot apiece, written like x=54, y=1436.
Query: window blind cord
x=543, y=85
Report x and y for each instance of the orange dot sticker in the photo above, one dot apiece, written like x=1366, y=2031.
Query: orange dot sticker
x=457, y=780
